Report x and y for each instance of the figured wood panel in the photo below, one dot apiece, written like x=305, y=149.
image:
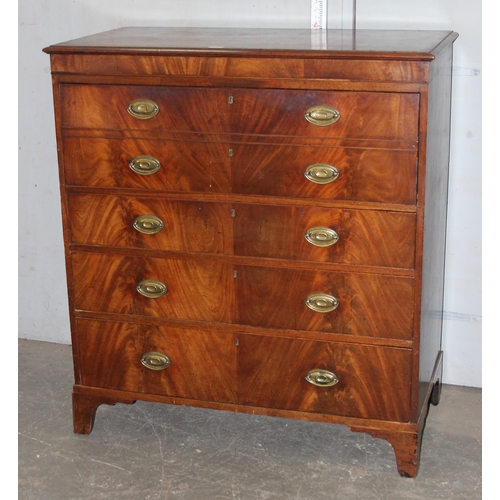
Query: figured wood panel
x=180, y=109
x=202, y=363
x=285, y=68
x=185, y=166
x=369, y=305
x=366, y=237
x=188, y=225
x=364, y=174
x=196, y=290
x=363, y=115
x=374, y=382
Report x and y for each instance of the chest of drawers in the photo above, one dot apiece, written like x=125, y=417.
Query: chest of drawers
x=254, y=221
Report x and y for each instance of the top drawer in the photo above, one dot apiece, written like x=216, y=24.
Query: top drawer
x=292, y=113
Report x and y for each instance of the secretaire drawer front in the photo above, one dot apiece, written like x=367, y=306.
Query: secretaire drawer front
x=356, y=304
x=357, y=237
x=327, y=173
x=144, y=222
x=153, y=287
x=162, y=109
x=326, y=114
x=343, y=379
x=147, y=164
x=157, y=360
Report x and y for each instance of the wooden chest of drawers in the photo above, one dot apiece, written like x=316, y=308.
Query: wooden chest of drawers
x=255, y=222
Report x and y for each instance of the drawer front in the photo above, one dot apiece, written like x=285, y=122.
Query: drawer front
x=194, y=290
x=177, y=109
x=368, y=304
x=150, y=223
x=147, y=164
x=362, y=115
x=326, y=173
x=357, y=237
x=354, y=174
x=202, y=364
x=369, y=382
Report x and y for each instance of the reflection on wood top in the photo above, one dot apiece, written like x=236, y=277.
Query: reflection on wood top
x=420, y=45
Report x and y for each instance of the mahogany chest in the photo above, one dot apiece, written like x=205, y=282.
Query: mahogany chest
x=254, y=221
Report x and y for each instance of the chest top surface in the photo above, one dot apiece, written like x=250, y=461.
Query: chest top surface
x=420, y=45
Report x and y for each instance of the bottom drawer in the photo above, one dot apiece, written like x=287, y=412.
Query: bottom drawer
x=369, y=381
x=291, y=374
x=202, y=364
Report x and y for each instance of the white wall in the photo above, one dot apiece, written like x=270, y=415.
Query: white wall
x=43, y=309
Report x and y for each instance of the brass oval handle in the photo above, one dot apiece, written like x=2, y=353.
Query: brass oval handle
x=144, y=165
x=144, y=109
x=155, y=360
x=321, y=236
x=322, y=116
x=322, y=378
x=322, y=302
x=321, y=173
x=151, y=288
x=148, y=224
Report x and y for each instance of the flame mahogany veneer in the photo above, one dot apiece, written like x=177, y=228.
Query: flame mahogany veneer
x=193, y=167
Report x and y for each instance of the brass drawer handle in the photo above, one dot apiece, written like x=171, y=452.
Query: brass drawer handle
x=144, y=109
x=322, y=378
x=321, y=173
x=144, y=165
x=148, y=224
x=151, y=288
x=322, y=116
x=322, y=302
x=155, y=360
x=321, y=236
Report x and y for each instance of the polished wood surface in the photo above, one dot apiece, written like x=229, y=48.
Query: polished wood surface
x=362, y=115
x=233, y=146
x=272, y=371
x=111, y=358
x=185, y=165
x=366, y=237
x=247, y=369
x=195, y=290
x=365, y=174
x=366, y=44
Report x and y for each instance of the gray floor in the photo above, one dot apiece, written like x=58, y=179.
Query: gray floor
x=152, y=451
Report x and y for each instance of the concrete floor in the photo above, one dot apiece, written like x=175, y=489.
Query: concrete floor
x=153, y=451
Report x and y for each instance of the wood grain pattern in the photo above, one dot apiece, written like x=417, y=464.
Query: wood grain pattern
x=371, y=305
x=366, y=237
x=373, y=381
x=149, y=65
x=373, y=238
x=363, y=115
x=388, y=116
x=202, y=364
x=188, y=226
x=379, y=175
x=270, y=371
x=199, y=291
x=185, y=166
x=180, y=109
